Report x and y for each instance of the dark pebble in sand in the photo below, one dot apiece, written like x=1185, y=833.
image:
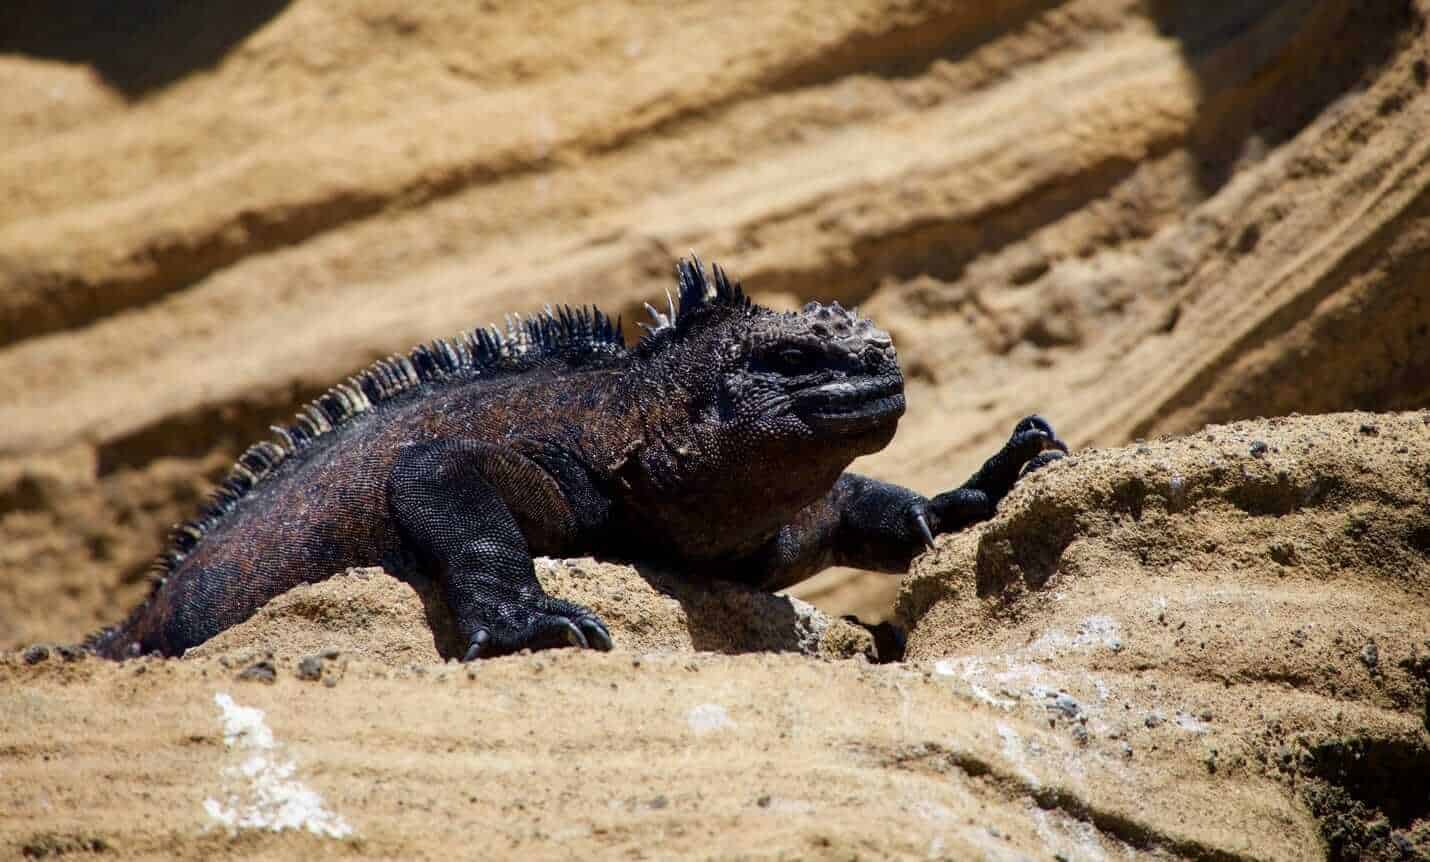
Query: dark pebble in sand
x=310, y=668
x=259, y=671
x=1370, y=656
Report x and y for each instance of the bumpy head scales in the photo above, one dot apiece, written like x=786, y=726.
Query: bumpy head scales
x=832, y=326
x=831, y=329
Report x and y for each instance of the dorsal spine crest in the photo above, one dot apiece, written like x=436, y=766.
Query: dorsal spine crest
x=573, y=336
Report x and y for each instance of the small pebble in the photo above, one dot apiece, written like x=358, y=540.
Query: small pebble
x=1370, y=656
x=1065, y=703
x=36, y=654
x=1258, y=449
x=310, y=668
x=259, y=671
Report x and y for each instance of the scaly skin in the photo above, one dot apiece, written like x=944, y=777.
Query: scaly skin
x=718, y=443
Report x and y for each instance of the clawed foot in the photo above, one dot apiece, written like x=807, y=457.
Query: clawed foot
x=1032, y=446
x=1036, y=434
x=553, y=624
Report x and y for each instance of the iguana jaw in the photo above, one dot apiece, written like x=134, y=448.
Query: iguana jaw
x=851, y=407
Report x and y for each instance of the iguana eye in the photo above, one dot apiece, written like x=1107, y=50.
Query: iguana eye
x=792, y=359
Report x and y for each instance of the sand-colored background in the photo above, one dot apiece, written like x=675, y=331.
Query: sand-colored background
x=1134, y=216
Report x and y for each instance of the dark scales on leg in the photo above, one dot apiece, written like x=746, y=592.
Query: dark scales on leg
x=718, y=443
x=456, y=501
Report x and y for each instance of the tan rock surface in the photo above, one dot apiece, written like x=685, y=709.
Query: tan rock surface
x=1230, y=666
x=1250, y=600
x=367, y=614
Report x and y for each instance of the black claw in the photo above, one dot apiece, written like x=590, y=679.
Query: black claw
x=921, y=519
x=478, y=645
x=572, y=634
x=596, y=634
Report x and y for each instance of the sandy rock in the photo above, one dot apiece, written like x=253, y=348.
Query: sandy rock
x=1179, y=649
x=1244, y=603
x=366, y=614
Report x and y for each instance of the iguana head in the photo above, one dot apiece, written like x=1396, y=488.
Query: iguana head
x=818, y=380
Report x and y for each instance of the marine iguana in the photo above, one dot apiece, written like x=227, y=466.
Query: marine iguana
x=718, y=443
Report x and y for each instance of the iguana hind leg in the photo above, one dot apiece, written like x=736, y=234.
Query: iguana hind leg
x=457, y=503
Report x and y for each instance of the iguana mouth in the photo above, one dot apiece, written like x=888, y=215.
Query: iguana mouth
x=852, y=407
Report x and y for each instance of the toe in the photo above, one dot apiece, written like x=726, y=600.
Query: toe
x=478, y=645
x=564, y=632
x=1029, y=442
x=1034, y=423
x=597, y=636
x=1037, y=428
x=1043, y=459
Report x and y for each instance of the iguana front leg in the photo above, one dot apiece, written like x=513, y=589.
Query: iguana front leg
x=875, y=525
x=458, y=505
